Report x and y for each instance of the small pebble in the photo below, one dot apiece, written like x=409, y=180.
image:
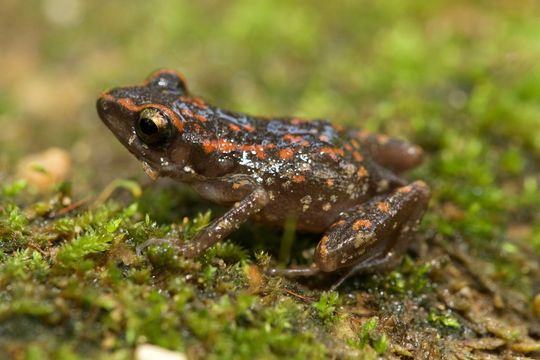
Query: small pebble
x=153, y=352
x=45, y=169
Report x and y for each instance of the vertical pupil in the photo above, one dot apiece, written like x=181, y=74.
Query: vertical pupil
x=148, y=126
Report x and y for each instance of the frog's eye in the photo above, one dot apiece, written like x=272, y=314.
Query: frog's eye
x=153, y=127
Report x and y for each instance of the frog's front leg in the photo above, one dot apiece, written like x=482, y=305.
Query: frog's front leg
x=252, y=199
x=239, y=213
x=370, y=237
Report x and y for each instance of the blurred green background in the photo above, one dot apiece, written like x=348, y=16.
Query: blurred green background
x=460, y=78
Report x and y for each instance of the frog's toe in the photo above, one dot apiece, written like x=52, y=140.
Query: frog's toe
x=154, y=242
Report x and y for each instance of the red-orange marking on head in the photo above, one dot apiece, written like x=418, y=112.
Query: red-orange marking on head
x=234, y=127
x=361, y=224
x=383, y=206
x=286, y=154
x=131, y=106
x=298, y=179
x=348, y=147
x=249, y=128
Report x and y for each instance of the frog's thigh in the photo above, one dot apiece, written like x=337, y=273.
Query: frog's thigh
x=227, y=223
x=373, y=236
x=392, y=153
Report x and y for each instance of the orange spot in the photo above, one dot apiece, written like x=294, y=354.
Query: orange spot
x=197, y=127
x=208, y=147
x=297, y=121
x=259, y=150
x=361, y=224
x=383, y=206
x=292, y=138
x=324, y=138
x=329, y=182
x=249, y=128
x=234, y=127
x=298, y=179
x=225, y=145
x=357, y=156
x=286, y=154
x=348, y=147
x=332, y=152
x=186, y=112
x=362, y=172
x=337, y=223
x=270, y=146
x=236, y=186
x=201, y=118
x=199, y=102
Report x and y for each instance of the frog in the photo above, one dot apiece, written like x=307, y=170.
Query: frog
x=346, y=184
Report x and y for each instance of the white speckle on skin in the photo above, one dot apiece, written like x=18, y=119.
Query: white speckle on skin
x=382, y=185
x=333, y=198
x=132, y=139
x=350, y=169
x=326, y=206
x=306, y=202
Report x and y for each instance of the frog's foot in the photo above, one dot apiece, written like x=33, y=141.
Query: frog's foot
x=375, y=235
x=294, y=272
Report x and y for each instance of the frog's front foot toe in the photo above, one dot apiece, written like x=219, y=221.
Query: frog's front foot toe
x=293, y=272
x=154, y=242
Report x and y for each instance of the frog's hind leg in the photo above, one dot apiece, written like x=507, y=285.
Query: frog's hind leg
x=375, y=235
x=395, y=154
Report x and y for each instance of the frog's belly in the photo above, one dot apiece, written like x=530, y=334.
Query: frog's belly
x=311, y=214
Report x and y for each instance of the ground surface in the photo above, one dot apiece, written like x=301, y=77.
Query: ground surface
x=460, y=78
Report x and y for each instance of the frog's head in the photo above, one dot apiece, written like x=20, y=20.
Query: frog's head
x=143, y=118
